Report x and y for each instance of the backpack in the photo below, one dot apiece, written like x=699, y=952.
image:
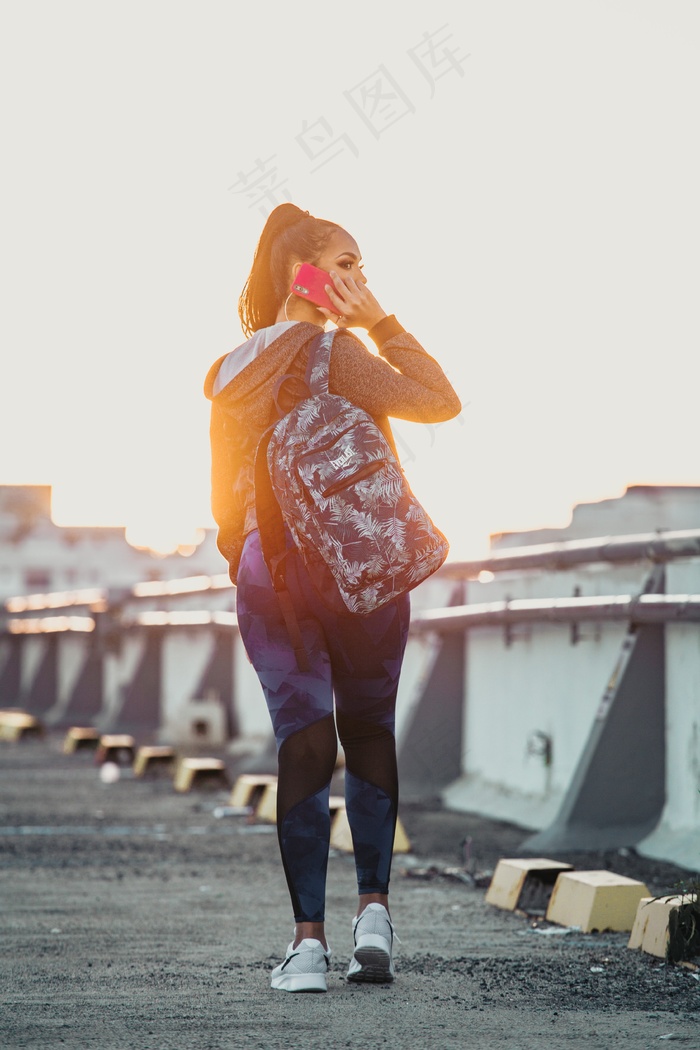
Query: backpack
x=326, y=473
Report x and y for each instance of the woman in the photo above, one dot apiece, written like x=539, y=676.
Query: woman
x=357, y=659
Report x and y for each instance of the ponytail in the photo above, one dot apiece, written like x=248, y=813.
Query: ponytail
x=289, y=233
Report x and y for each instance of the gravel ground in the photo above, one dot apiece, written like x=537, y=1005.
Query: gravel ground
x=133, y=916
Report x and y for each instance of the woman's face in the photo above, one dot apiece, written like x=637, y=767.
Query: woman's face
x=342, y=255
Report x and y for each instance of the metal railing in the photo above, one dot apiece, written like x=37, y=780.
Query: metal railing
x=628, y=608
x=656, y=548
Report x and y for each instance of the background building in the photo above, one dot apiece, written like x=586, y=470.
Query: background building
x=642, y=509
x=38, y=556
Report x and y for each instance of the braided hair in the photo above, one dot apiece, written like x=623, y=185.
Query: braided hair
x=289, y=233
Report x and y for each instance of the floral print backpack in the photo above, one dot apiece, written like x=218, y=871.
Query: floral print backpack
x=340, y=491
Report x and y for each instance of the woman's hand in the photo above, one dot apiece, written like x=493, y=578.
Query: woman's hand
x=355, y=305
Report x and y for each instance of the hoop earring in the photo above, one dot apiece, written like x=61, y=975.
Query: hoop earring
x=286, y=315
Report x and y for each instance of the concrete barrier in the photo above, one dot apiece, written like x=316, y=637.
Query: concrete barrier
x=551, y=689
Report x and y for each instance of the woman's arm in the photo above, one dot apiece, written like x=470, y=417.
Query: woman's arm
x=407, y=384
x=404, y=382
x=227, y=507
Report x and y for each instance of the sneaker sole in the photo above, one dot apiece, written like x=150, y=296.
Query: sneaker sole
x=306, y=982
x=375, y=966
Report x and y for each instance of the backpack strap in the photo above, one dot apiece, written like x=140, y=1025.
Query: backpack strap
x=298, y=389
x=273, y=537
x=318, y=367
x=315, y=380
x=270, y=521
x=273, y=541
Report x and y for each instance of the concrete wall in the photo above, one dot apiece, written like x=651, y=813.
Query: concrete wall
x=532, y=696
x=678, y=832
x=495, y=719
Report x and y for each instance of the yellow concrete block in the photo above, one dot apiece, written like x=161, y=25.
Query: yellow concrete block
x=115, y=747
x=341, y=837
x=595, y=900
x=517, y=881
x=266, y=808
x=335, y=802
x=80, y=737
x=200, y=772
x=249, y=787
x=15, y=725
x=650, y=929
x=153, y=759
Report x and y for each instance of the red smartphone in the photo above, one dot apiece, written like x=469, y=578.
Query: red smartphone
x=310, y=283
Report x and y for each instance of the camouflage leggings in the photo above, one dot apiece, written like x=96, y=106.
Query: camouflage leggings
x=357, y=659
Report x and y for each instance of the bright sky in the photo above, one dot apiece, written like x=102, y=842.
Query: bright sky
x=522, y=179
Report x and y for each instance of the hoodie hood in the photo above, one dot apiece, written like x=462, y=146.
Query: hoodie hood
x=251, y=367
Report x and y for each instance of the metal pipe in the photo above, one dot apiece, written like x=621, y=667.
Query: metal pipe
x=652, y=546
x=628, y=608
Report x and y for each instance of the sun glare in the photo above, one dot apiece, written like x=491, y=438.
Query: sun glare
x=165, y=539
x=163, y=529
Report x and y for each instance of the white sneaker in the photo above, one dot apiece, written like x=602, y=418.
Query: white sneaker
x=374, y=935
x=304, y=969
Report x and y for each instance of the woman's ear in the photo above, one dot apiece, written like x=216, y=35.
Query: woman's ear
x=295, y=269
